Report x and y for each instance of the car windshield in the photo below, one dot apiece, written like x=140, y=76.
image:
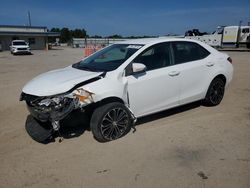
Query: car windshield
x=108, y=59
x=19, y=43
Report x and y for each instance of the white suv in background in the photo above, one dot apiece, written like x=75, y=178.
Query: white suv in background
x=19, y=47
x=128, y=80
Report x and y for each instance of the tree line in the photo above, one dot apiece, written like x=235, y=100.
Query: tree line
x=67, y=34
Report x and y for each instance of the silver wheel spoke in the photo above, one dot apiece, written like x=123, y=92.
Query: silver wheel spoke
x=114, y=123
x=110, y=133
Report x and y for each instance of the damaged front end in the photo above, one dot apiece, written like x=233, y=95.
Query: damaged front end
x=56, y=108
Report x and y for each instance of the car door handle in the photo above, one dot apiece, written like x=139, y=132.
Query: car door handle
x=209, y=64
x=174, y=73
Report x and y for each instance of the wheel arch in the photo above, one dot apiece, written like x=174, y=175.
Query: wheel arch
x=222, y=77
x=207, y=99
x=110, y=99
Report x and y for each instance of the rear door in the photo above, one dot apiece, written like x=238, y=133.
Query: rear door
x=195, y=65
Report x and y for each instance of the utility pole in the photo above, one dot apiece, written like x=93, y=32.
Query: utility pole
x=29, y=18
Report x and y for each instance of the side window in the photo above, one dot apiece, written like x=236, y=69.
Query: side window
x=245, y=30
x=188, y=51
x=155, y=57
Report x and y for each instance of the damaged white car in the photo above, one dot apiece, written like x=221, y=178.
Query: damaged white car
x=128, y=80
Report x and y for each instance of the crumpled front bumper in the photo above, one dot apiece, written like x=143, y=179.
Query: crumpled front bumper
x=53, y=115
x=50, y=113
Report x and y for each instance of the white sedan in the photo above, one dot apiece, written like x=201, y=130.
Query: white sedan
x=128, y=80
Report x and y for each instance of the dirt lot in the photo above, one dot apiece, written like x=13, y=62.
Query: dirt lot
x=200, y=147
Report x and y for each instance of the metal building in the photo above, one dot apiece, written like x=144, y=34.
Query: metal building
x=82, y=42
x=36, y=36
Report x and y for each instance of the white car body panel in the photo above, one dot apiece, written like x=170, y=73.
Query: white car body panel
x=57, y=81
x=191, y=84
x=108, y=87
x=153, y=91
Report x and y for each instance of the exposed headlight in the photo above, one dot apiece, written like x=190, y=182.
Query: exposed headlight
x=83, y=95
x=48, y=101
x=53, y=100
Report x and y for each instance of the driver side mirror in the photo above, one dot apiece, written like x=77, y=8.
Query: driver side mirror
x=138, y=67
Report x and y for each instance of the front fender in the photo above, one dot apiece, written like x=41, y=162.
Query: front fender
x=106, y=87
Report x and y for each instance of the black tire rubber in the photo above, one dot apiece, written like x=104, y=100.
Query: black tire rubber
x=97, y=119
x=208, y=101
x=38, y=131
x=248, y=45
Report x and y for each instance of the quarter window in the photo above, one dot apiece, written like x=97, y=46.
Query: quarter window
x=188, y=51
x=155, y=57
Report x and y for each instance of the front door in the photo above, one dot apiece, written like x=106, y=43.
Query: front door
x=157, y=88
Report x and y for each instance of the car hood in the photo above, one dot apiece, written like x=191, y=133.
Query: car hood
x=57, y=81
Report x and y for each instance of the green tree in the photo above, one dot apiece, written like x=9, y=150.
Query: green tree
x=115, y=36
x=55, y=29
x=66, y=35
x=96, y=36
x=78, y=33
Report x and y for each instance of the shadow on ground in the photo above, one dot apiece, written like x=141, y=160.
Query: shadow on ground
x=167, y=113
x=77, y=123
x=55, y=48
x=23, y=54
x=72, y=126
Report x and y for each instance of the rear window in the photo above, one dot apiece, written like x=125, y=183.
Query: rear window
x=188, y=51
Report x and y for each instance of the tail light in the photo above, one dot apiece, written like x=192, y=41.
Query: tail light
x=230, y=59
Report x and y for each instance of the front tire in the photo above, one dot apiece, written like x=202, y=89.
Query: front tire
x=215, y=92
x=110, y=122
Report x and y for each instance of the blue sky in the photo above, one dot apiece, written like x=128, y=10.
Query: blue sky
x=127, y=17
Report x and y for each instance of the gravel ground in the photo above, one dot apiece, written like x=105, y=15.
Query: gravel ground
x=191, y=147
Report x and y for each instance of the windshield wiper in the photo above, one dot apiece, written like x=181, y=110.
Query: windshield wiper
x=92, y=69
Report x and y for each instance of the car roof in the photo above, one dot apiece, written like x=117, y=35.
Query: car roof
x=153, y=40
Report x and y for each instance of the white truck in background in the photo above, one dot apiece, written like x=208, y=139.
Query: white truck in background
x=224, y=36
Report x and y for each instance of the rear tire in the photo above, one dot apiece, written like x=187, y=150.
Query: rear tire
x=110, y=122
x=215, y=92
x=248, y=45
